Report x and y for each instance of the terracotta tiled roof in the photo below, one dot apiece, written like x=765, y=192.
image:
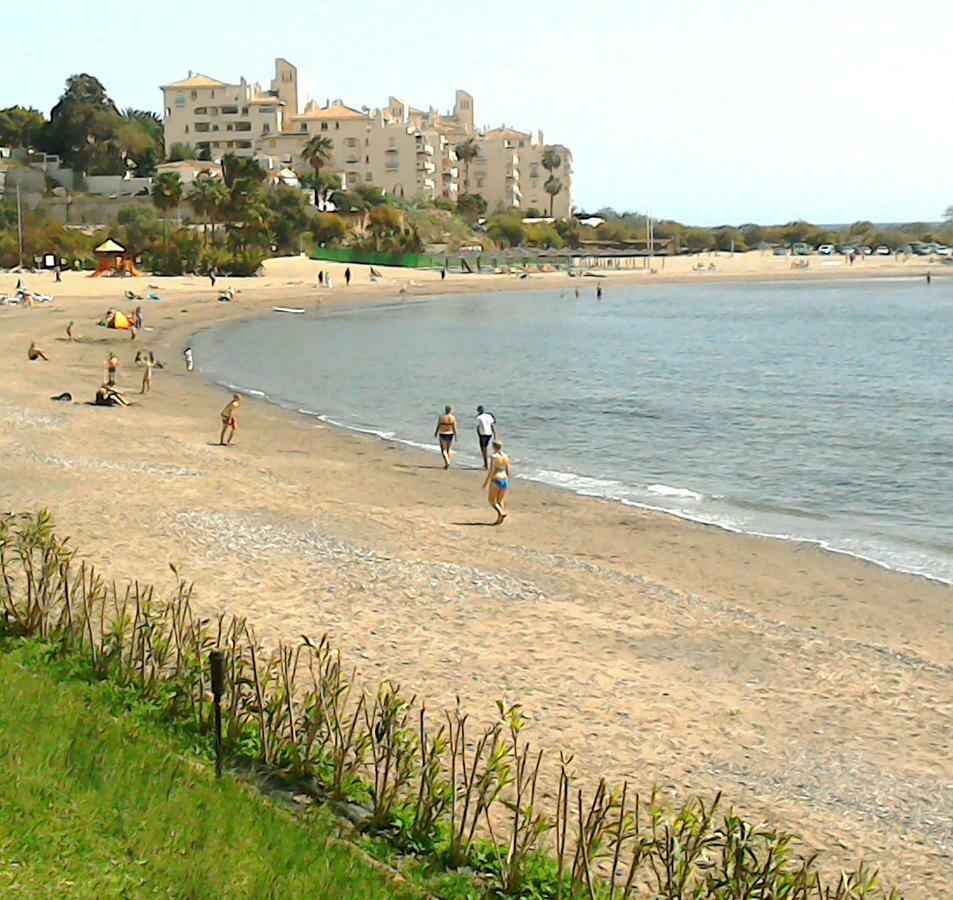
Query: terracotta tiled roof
x=196, y=81
x=335, y=111
x=506, y=134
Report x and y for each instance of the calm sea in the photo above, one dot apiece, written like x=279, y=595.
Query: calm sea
x=809, y=411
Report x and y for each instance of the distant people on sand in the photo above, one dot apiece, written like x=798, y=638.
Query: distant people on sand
x=189, y=364
x=498, y=481
x=486, y=431
x=148, y=361
x=328, y=281
x=598, y=292
x=137, y=318
x=443, y=273
x=112, y=366
x=57, y=274
x=230, y=420
x=70, y=334
x=321, y=277
x=35, y=353
x=445, y=433
x=929, y=277
x=211, y=276
x=347, y=276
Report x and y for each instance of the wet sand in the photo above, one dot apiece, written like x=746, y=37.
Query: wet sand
x=813, y=688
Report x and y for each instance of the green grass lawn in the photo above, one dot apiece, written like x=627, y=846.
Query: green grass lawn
x=95, y=805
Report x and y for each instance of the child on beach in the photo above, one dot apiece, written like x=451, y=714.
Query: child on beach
x=112, y=364
x=35, y=353
x=188, y=359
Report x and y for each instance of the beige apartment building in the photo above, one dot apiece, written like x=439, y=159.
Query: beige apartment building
x=404, y=151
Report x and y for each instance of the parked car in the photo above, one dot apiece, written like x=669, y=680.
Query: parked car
x=920, y=249
x=882, y=250
x=906, y=249
x=943, y=250
x=847, y=249
x=799, y=248
x=780, y=251
x=864, y=250
x=825, y=249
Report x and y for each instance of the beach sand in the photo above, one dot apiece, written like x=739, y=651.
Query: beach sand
x=814, y=689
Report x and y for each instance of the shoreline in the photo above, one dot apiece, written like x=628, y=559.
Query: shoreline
x=825, y=545
x=652, y=648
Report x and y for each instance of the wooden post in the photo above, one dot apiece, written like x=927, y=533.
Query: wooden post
x=217, y=660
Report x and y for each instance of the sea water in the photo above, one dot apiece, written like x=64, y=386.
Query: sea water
x=812, y=411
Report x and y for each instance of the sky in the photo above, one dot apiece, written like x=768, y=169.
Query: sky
x=704, y=112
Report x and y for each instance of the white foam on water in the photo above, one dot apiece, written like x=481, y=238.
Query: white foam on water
x=664, y=490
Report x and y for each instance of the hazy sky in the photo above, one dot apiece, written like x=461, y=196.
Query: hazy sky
x=701, y=111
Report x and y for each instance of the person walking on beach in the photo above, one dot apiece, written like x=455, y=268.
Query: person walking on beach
x=445, y=432
x=57, y=273
x=929, y=277
x=112, y=364
x=70, y=335
x=486, y=431
x=498, y=481
x=320, y=277
x=230, y=420
x=347, y=276
x=598, y=292
x=137, y=318
x=328, y=282
x=188, y=359
x=35, y=353
x=211, y=276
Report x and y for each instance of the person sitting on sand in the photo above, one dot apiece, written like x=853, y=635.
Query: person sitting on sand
x=35, y=353
x=498, y=481
x=107, y=395
x=112, y=364
x=445, y=432
x=230, y=420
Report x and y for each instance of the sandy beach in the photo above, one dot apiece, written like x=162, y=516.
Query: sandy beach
x=814, y=689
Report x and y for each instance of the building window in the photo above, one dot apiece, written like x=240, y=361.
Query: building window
x=228, y=127
x=390, y=142
x=186, y=129
x=201, y=110
x=264, y=128
x=367, y=160
x=243, y=145
x=324, y=126
x=212, y=93
x=244, y=110
x=480, y=182
x=350, y=142
x=180, y=101
x=229, y=110
x=194, y=95
x=337, y=126
x=368, y=176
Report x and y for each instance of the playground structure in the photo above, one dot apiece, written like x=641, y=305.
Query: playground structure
x=113, y=260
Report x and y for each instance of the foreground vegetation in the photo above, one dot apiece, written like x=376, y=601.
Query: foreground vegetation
x=92, y=804
x=433, y=786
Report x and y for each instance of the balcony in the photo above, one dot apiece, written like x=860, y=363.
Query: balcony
x=426, y=149
x=424, y=165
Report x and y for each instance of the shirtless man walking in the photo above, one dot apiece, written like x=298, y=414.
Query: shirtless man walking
x=445, y=432
x=112, y=364
x=230, y=420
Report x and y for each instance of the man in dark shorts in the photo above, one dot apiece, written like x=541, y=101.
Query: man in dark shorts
x=486, y=432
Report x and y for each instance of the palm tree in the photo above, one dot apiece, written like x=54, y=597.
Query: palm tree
x=466, y=153
x=318, y=152
x=199, y=201
x=166, y=195
x=552, y=187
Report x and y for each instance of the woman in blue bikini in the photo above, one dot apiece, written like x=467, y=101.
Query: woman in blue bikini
x=498, y=481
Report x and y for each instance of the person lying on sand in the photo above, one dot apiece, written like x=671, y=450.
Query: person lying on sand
x=445, y=432
x=107, y=395
x=498, y=481
x=230, y=420
x=35, y=353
